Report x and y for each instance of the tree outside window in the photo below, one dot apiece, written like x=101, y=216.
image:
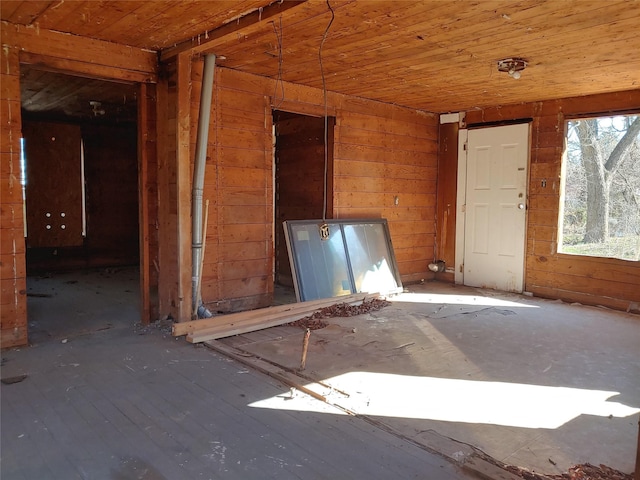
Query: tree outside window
x=600, y=214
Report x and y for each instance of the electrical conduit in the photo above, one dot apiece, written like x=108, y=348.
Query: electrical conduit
x=198, y=180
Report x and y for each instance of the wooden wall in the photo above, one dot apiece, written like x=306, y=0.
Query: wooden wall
x=148, y=201
x=381, y=152
x=446, y=204
x=172, y=88
x=238, y=265
x=65, y=53
x=111, y=176
x=54, y=186
x=13, y=298
x=589, y=280
x=386, y=166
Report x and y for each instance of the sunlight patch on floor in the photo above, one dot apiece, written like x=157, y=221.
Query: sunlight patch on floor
x=451, y=299
x=466, y=401
x=297, y=401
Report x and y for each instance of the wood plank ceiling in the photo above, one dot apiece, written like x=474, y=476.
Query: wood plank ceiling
x=433, y=55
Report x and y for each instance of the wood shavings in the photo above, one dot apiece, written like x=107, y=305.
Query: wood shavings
x=584, y=471
x=315, y=320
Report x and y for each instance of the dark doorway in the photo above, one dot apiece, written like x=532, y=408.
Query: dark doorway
x=80, y=161
x=303, y=177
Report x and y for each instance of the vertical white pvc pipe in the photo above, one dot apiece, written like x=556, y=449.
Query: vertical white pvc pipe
x=198, y=172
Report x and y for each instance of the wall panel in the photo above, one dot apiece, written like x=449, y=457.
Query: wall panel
x=447, y=192
x=380, y=152
x=386, y=166
x=13, y=300
x=168, y=291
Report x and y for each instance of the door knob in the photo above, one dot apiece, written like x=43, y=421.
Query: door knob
x=521, y=206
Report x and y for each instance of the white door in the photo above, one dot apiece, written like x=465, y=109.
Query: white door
x=496, y=199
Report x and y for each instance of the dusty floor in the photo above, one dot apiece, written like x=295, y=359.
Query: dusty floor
x=531, y=382
x=81, y=302
x=96, y=396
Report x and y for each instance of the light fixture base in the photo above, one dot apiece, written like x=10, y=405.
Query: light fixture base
x=513, y=66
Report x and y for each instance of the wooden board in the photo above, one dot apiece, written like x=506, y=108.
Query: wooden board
x=260, y=317
x=184, y=328
x=13, y=301
x=83, y=54
x=146, y=109
x=167, y=226
x=317, y=390
x=447, y=190
x=182, y=160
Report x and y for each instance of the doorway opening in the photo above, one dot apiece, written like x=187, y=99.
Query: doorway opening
x=81, y=203
x=303, y=183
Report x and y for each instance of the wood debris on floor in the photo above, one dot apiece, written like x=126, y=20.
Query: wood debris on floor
x=243, y=322
x=584, y=471
x=315, y=321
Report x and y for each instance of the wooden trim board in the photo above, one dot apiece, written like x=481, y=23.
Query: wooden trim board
x=244, y=322
x=237, y=30
x=310, y=387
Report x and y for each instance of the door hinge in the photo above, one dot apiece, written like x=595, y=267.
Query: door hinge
x=465, y=145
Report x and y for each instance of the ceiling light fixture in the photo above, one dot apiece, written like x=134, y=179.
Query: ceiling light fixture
x=512, y=66
x=96, y=108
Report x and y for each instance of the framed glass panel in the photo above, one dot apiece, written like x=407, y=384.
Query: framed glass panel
x=356, y=257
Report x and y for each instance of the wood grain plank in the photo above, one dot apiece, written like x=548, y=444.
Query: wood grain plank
x=264, y=318
x=372, y=153
x=83, y=69
x=13, y=314
x=143, y=204
x=245, y=23
x=23, y=12
x=239, y=157
x=246, y=250
x=241, y=233
x=81, y=49
x=183, y=187
x=386, y=140
x=10, y=289
x=167, y=220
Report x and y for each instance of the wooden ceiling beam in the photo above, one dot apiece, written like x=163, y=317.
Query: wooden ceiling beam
x=246, y=24
x=95, y=58
x=82, y=69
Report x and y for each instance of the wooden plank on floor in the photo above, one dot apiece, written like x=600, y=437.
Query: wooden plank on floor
x=184, y=328
x=316, y=390
x=251, y=324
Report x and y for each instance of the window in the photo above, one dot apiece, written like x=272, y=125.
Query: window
x=600, y=214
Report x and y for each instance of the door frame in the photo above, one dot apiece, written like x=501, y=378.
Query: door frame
x=145, y=150
x=461, y=200
x=331, y=125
